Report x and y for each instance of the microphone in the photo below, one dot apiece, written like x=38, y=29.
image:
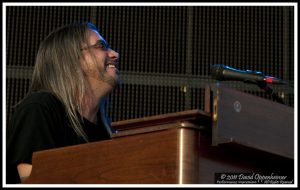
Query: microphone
x=222, y=73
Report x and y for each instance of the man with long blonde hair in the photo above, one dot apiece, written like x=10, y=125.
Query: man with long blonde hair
x=75, y=70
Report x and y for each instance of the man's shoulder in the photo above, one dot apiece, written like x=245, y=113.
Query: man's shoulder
x=41, y=98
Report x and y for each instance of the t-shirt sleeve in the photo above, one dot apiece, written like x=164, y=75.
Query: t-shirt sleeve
x=32, y=129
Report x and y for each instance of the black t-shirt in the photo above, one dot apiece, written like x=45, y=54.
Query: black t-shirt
x=40, y=123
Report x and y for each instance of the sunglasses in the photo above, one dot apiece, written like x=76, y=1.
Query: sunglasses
x=100, y=44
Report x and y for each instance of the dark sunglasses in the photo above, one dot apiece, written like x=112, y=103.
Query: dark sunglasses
x=100, y=44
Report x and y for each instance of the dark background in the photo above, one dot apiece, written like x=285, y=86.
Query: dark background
x=165, y=51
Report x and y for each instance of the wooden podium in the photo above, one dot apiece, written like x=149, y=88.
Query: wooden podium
x=188, y=147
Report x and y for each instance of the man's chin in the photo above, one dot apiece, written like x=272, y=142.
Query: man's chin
x=117, y=82
x=114, y=82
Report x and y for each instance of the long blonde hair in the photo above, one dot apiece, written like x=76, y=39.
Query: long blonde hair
x=57, y=70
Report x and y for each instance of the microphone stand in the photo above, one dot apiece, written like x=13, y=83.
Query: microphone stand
x=270, y=91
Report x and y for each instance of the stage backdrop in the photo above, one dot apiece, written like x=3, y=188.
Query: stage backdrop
x=165, y=51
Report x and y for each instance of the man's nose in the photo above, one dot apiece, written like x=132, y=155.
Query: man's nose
x=112, y=54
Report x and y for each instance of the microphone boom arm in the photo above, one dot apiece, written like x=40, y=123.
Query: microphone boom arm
x=270, y=91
